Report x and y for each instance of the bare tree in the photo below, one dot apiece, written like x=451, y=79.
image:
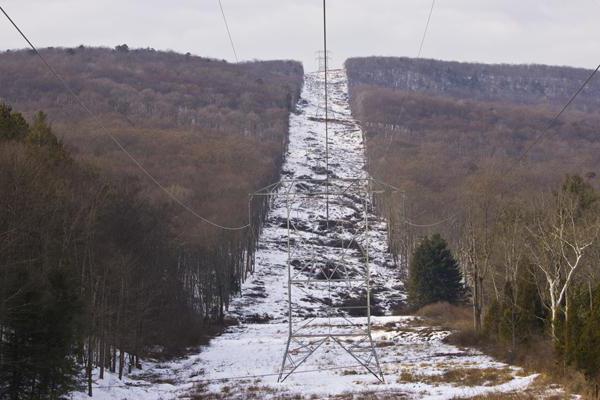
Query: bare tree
x=561, y=235
x=509, y=237
x=475, y=248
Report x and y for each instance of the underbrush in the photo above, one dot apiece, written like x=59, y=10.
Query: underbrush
x=199, y=335
x=537, y=355
x=504, y=396
x=462, y=376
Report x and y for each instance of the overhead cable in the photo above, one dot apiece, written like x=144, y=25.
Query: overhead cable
x=228, y=32
x=545, y=131
x=114, y=138
x=426, y=29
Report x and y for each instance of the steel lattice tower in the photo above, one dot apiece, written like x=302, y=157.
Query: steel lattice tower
x=329, y=262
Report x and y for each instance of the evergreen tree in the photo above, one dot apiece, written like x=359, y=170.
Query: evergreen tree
x=41, y=137
x=38, y=347
x=39, y=301
x=584, y=194
x=12, y=125
x=580, y=344
x=518, y=315
x=434, y=274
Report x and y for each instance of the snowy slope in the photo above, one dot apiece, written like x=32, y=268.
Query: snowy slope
x=244, y=362
x=265, y=293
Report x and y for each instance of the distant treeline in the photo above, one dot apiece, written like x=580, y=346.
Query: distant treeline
x=98, y=267
x=482, y=162
x=546, y=85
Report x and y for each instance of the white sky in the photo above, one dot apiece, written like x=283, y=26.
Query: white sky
x=561, y=32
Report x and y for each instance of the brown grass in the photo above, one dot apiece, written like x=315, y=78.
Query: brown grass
x=537, y=356
x=448, y=315
x=504, y=396
x=462, y=376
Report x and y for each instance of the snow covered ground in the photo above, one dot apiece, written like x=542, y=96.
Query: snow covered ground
x=244, y=362
x=265, y=293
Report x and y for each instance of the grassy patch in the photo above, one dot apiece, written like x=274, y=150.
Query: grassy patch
x=349, y=372
x=462, y=377
x=448, y=316
x=536, y=356
x=502, y=396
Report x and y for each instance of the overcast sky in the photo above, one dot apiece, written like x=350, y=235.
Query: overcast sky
x=562, y=32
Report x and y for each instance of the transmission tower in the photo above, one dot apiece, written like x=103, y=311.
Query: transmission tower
x=329, y=264
x=321, y=58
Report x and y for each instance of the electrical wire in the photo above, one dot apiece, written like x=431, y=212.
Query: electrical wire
x=418, y=56
x=408, y=222
x=228, y=32
x=426, y=29
x=326, y=90
x=389, y=146
x=539, y=138
x=545, y=131
x=114, y=139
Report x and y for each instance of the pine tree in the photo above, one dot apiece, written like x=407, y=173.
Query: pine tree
x=518, y=315
x=580, y=345
x=434, y=274
x=38, y=347
x=41, y=137
x=12, y=125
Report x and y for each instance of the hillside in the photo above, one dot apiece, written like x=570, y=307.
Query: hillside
x=484, y=160
x=544, y=85
x=116, y=280
x=83, y=223
x=244, y=362
x=220, y=117
x=445, y=131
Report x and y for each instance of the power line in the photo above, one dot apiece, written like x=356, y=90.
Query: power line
x=388, y=148
x=326, y=111
x=542, y=134
x=426, y=29
x=418, y=56
x=408, y=222
x=535, y=142
x=228, y=32
x=114, y=139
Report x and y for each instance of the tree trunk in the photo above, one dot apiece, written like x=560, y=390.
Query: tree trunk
x=90, y=360
x=513, y=323
x=567, y=339
x=121, y=362
x=102, y=357
x=113, y=367
x=476, y=303
x=130, y=364
x=554, y=314
x=590, y=294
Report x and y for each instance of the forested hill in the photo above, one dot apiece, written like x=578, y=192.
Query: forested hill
x=521, y=84
x=450, y=132
x=99, y=265
x=207, y=129
x=482, y=158
x=148, y=87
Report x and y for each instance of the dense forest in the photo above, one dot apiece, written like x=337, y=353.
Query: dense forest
x=476, y=151
x=98, y=266
x=442, y=143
